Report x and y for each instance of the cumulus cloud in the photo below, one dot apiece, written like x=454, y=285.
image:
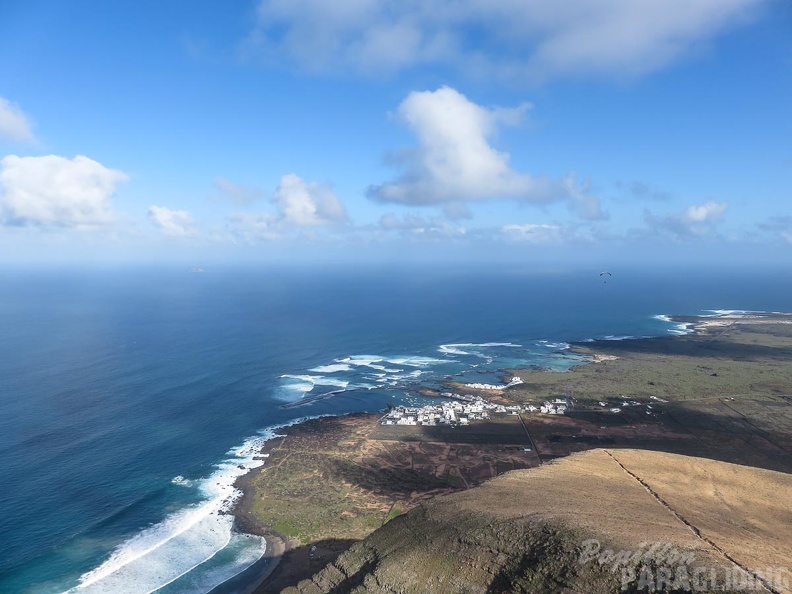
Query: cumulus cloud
x=173, y=223
x=694, y=221
x=14, y=124
x=454, y=160
x=582, y=203
x=53, y=191
x=299, y=205
x=514, y=39
x=307, y=204
x=708, y=213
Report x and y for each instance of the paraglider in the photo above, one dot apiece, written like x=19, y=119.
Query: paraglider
x=606, y=274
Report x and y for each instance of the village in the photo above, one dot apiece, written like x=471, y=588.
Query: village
x=461, y=409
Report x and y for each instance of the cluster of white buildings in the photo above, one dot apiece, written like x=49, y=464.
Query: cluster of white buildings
x=557, y=406
x=618, y=409
x=463, y=410
x=454, y=412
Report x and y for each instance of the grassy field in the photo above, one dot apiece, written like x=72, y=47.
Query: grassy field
x=723, y=393
x=742, y=360
x=310, y=488
x=342, y=477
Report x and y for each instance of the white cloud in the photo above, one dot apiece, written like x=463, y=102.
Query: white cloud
x=534, y=233
x=307, y=204
x=416, y=227
x=300, y=206
x=393, y=222
x=57, y=192
x=454, y=160
x=173, y=223
x=455, y=211
x=582, y=203
x=14, y=124
x=252, y=227
x=515, y=39
x=236, y=193
x=694, y=221
x=366, y=35
x=708, y=212
x=780, y=226
x=642, y=190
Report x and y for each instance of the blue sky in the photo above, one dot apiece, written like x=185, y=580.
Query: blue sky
x=279, y=130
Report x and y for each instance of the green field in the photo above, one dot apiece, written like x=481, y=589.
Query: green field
x=744, y=361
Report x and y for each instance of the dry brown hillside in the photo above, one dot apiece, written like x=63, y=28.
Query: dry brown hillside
x=526, y=531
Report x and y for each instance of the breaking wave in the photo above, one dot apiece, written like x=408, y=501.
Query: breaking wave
x=168, y=550
x=458, y=348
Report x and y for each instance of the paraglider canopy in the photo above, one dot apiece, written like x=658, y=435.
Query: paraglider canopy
x=605, y=273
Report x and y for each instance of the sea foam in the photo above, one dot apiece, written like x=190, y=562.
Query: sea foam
x=166, y=551
x=317, y=380
x=181, y=481
x=376, y=361
x=458, y=348
x=333, y=368
x=562, y=346
x=677, y=328
x=184, y=540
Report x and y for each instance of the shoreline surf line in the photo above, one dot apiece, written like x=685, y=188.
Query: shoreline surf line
x=249, y=524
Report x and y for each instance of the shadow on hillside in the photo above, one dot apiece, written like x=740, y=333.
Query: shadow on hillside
x=691, y=347
x=763, y=439
x=738, y=440
x=300, y=564
x=388, y=480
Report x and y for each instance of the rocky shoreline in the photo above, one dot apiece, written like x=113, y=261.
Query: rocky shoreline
x=288, y=560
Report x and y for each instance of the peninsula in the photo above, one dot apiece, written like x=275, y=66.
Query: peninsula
x=719, y=398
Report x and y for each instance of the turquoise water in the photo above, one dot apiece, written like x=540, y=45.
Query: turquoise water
x=129, y=398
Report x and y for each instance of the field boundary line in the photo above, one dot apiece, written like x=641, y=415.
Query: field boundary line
x=690, y=526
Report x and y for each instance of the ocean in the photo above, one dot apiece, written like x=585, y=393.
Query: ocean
x=130, y=399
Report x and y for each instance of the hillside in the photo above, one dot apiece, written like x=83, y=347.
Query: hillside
x=525, y=531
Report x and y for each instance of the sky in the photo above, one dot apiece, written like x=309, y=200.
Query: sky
x=575, y=131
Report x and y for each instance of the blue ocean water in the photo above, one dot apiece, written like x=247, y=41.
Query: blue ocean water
x=130, y=398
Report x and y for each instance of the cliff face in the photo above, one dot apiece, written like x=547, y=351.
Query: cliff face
x=529, y=530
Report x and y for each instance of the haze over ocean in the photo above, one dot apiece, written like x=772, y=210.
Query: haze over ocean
x=127, y=395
